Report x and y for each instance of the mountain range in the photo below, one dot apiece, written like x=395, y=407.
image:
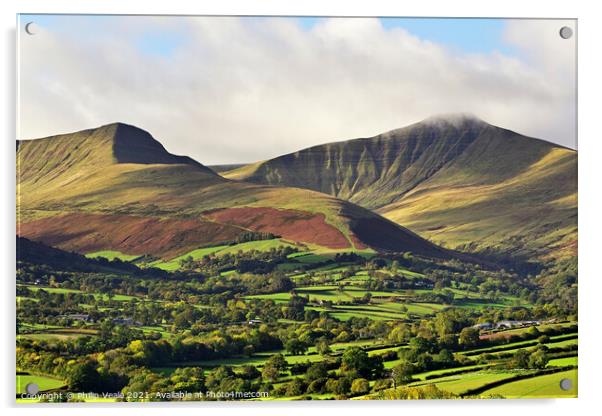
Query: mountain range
x=453, y=179
x=117, y=188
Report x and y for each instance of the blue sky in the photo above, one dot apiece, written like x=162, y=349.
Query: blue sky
x=467, y=35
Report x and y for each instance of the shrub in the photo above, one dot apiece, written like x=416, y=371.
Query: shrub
x=295, y=388
x=317, y=386
x=360, y=386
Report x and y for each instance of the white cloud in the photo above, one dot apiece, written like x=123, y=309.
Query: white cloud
x=244, y=90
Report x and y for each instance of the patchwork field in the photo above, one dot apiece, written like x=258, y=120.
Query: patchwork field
x=142, y=273
x=546, y=386
x=112, y=255
x=117, y=297
x=464, y=383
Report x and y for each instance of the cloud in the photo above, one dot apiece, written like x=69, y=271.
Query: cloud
x=239, y=89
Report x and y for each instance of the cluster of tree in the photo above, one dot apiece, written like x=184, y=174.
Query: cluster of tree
x=471, y=336
x=145, y=385
x=536, y=359
x=350, y=257
x=251, y=261
x=559, y=286
x=421, y=356
x=253, y=236
x=486, y=280
x=81, y=373
x=444, y=297
x=385, y=281
x=348, y=375
x=109, y=336
x=428, y=392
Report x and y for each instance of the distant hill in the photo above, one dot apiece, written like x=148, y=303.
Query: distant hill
x=226, y=168
x=31, y=252
x=454, y=179
x=115, y=187
x=115, y=143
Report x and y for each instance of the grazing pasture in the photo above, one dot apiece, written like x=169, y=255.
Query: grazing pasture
x=112, y=255
x=545, y=386
x=563, y=362
x=463, y=383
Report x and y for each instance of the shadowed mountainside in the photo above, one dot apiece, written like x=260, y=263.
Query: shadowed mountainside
x=454, y=179
x=34, y=253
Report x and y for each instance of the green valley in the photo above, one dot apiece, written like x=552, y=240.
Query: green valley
x=148, y=276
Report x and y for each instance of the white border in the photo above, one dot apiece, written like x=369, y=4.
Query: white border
x=590, y=209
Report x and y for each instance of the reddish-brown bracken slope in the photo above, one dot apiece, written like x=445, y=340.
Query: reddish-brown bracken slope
x=116, y=188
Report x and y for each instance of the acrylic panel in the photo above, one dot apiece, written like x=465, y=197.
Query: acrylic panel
x=295, y=208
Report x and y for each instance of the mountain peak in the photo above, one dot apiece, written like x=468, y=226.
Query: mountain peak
x=135, y=145
x=101, y=146
x=455, y=119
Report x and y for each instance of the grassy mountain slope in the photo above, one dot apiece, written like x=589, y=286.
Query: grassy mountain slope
x=455, y=179
x=226, y=168
x=116, y=188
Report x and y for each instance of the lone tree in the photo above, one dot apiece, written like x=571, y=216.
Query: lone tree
x=538, y=359
x=402, y=373
x=273, y=366
x=295, y=347
x=323, y=347
x=355, y=361
x=469, y=337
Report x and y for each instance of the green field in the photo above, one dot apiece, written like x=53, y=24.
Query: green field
x=562, y=362
x=225, y=314
x=44, y=383
x=198, y=254
x=38, y=327
x=546, y=386
x=562, y=344
x=348, y=314
x=52, y=289
x=443, y=372
x=309, y=258
x=558, y=341
x=541, y=328
x=57, y=335
x=330, y=293
x=559, y=344
x=63, y=290
x=462, y=383
x=256, y=360
x=165, y=333
x=112, y=255
x=380, y=308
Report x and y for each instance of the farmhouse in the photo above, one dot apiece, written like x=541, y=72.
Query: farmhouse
x=515, y=324
x=506, y=324
x=76, y=317
x=484, y=326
